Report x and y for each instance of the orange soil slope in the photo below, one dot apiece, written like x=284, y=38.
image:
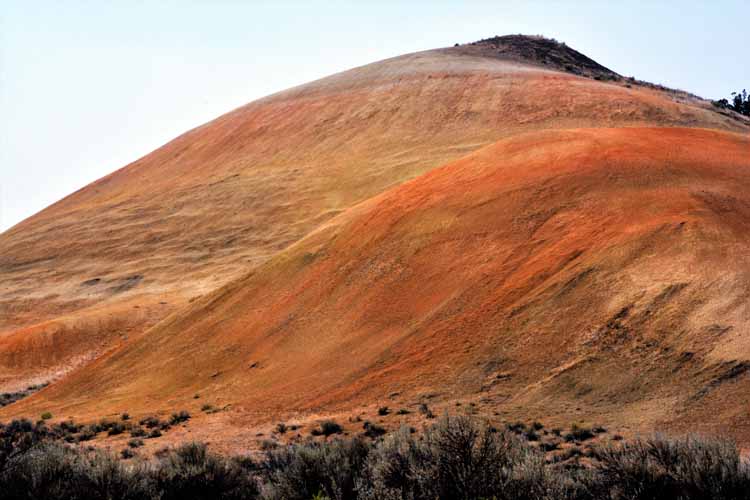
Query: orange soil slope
x=593, y=273
x=136, y=245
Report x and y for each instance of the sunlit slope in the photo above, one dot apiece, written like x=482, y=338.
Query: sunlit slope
x=224, y=197
x=593, y=273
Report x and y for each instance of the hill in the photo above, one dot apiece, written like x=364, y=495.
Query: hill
x=561, y=275
x=184, y=270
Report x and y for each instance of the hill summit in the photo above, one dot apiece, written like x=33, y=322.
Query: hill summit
x=546, y=52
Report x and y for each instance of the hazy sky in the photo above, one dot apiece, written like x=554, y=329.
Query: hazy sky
x=87, y=87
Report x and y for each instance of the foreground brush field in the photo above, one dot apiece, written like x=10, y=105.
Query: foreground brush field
x=455, y=458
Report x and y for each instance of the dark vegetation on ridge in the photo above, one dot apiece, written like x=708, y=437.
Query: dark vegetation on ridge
x=740, y=103
x=556, y=55
x=456, y=458
x=546, y=52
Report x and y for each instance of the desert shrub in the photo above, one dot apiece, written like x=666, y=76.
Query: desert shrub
x=281, y=428
x=537, y=426
x=127, y=453
x=457, y=458
x=54, y=471
x=106, y=424
x=17, y=438
x=46, y=415
x=303, y=471
x=179, y=417
x=149, y=422
x=327, y=428
x=517, y=427
x=125, y=416
x=373, y=430
x=659, y=467
x=115, y=429
x=578, y=433
x=190, y=471
x=86, y=435
x=135, y=443
x=383, y=411
x=137, y=432
x=155, y=433
x=549, y=445
x=67, y=427
x=402, y=411
x=531, y=435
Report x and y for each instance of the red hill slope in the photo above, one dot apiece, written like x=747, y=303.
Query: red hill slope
x=98, y=268
x=563, y=274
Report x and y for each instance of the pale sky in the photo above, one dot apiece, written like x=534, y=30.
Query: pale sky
x=87, y=87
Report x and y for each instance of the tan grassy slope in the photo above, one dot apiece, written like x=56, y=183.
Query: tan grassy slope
x=102, y=264
x=595, y=273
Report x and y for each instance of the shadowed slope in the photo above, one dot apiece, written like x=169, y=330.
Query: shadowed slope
x=599, y=273
x=223, y=198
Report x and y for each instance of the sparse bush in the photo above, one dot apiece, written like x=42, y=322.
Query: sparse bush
x=135, y=443
x=150, y=422
x=578, y=433
x=155, y=433
x=531, y=435
x=302, y=472
x=105, y=424
x=373, y=430
x=125, y=416
x=402, y=411
x=660, y=467
x=383, y=411
x=327, y=428
x=46, y=415
x=281, y=428
x=192, y=472
x=86, y=435
x=518, y=427
x=137, y=432
x=55, y=472
x=179, y=417
x=115, y=429
x=549, y=445
x=457, y=458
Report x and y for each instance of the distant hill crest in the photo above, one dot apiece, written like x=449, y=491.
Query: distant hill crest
x=542, y=51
